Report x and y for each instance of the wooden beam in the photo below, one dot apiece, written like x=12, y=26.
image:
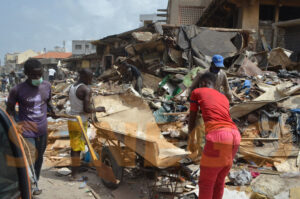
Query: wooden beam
x=275, y=37
x=298, y=160
x=277, y=12
x=289, y=23
x=275, y=30
x=281, y=2
x=263, y=39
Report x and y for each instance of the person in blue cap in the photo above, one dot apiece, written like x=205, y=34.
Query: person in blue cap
x=216, y=67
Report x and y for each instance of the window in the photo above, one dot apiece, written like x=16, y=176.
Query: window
x=93, y=47
x=266, y=13
x=87, y=46
x=78, y=47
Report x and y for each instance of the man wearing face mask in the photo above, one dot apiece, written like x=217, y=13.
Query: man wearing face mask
x=34, y=99
x=221, y=84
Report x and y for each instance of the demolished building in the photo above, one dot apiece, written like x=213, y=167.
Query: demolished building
x=264, y=82
x=275, y=22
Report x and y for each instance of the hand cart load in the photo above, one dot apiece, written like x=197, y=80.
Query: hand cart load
x=128, y=136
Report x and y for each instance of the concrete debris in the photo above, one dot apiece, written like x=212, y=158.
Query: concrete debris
x=142, y=36
x=229, y=194
x=249, y=69
x=280, y=57
x=64, y=171
x=273, y=186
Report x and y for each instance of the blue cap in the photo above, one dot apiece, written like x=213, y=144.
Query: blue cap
x=218, y=61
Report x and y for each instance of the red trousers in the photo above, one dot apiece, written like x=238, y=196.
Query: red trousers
x=219, y=150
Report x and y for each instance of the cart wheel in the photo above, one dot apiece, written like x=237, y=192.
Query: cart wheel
x=108, y=159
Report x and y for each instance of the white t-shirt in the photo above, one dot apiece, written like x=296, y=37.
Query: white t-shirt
x=51, y=72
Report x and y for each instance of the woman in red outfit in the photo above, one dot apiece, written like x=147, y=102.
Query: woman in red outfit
x=222, y=137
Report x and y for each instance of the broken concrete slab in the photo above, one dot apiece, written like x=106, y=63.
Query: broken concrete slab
x=280, y=57
x=249, y=69
x=288, y=165
x=274, y=93
x=272, y=185
x=142, y=36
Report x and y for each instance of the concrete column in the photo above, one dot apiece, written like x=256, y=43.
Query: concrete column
x=250, y=14
x=174, y=12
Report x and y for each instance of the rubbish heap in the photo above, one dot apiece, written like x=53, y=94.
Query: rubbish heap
x=265, y=87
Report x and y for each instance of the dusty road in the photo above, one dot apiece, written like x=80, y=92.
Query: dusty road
x=59, y=187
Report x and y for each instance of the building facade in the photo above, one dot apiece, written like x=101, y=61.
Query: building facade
x=185, y=12
x=83, y=47
x=13, y=61
x=146, y=19
x=276, y=22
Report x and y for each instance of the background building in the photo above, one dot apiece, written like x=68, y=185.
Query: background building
x=13, y=61
x=51, y=60
x=184, y=12
x=146, y=19
x=82, y=47
x=276, y=22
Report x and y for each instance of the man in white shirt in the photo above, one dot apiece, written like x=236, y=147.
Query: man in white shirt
x=51, y=72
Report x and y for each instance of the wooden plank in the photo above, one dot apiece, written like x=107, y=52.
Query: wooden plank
x=264, y=171
x=277, y=13
x=178, y=113
x=295, y=193
x=248, y=153
x=231, y=30
x=298, y=160
x=275, y=31
x=263, y=39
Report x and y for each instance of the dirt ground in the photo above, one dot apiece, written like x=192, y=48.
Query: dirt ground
x=59, y=187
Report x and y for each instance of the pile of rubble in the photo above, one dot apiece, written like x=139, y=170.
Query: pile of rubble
x=265, y=88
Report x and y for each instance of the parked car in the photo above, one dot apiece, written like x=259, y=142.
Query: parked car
x=15, y=180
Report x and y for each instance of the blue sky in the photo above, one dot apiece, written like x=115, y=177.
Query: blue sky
x=39, y=24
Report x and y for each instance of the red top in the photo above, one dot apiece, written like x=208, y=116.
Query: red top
x=214, y=106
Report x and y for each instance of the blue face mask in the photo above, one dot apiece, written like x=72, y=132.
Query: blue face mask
x=37, y=82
